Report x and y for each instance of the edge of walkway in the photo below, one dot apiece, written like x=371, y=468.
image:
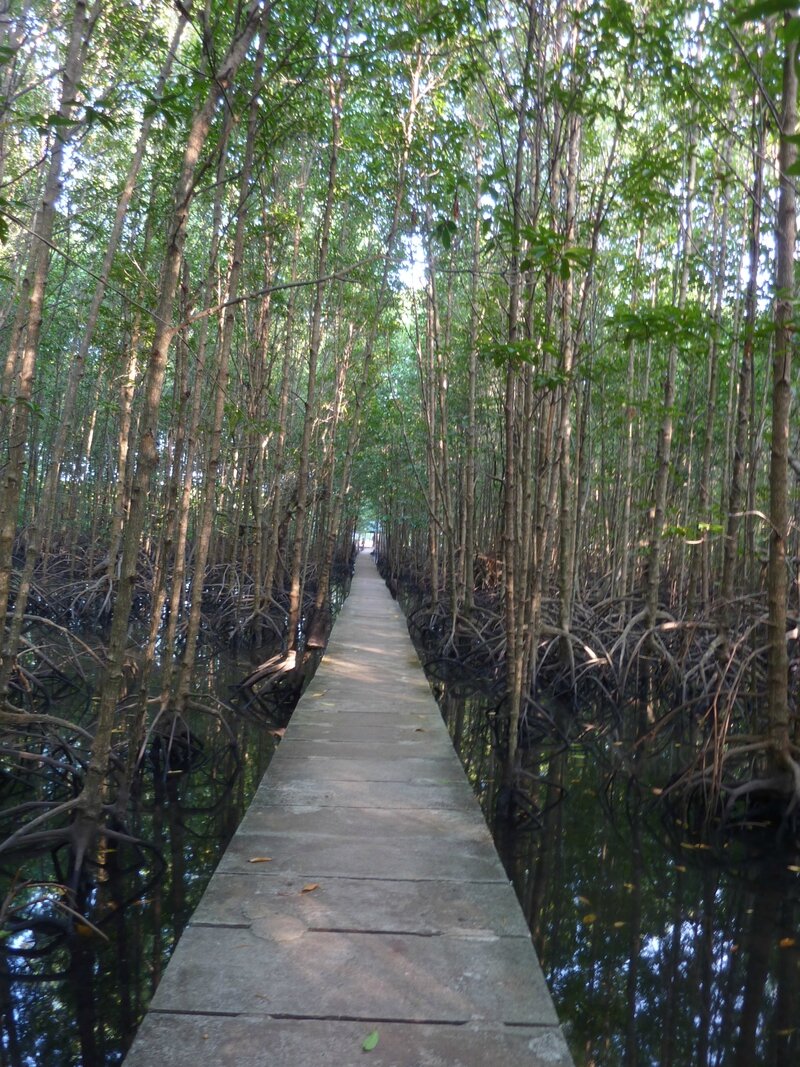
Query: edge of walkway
x=361, y=895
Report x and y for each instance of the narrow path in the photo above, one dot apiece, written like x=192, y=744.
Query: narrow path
x=361, y=893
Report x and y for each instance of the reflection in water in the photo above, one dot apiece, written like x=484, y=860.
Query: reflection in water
x=74, y=989
x=72, y=992
x=660, y=950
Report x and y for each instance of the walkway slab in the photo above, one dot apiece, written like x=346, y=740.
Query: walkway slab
x=436, y=792
x=425, y=907
x=361, y=893
x=257, y=1041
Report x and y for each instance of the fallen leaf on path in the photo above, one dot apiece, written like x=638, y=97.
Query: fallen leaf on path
x=371, y=1041
x=310, y=887
x=420, y=730
x=277, y=733
x=260, y=859
x=787, y=942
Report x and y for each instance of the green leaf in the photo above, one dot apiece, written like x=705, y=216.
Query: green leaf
x=502, y=353
x=444, y=230
x=95, y=115
x=371, y=1041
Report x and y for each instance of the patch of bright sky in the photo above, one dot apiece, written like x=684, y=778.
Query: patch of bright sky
x=412, y=271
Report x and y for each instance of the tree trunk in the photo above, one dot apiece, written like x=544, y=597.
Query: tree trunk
x=664, y=450
x=212, y=469
x=781, y=730
x=34, y=292
x=335, y=87
x=147, y=454
x=737, y=483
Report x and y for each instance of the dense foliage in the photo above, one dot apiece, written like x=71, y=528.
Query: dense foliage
x=512, y=280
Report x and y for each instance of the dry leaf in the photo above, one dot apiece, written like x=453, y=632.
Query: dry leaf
x=793, y=867
x=310, y=887
x=584, y=900
x=277, y=732
x=420, y=730
x=656, y=791
x=260, y=859
x=680, y=867
x=787, y=942
x=590, y=918
x=787, y=1032
x=619, y=924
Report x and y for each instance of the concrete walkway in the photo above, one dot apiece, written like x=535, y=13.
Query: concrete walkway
x=362, y=893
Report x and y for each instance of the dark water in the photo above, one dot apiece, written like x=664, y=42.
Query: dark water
x=661, y=948
x=74, y=985
x=72, y=992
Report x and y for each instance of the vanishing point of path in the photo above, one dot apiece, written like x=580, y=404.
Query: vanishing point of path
x=362, y=893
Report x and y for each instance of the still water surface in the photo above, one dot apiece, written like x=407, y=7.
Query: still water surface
x=659, y=951
x=72, y=993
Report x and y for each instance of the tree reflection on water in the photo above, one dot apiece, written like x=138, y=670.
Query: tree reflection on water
x=73, y=992
x=662, y=947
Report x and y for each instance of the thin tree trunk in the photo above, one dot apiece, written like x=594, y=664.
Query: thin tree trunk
x=468, y=491
x=511, y=488
x=566, y=570
x=34, y=292
x=737, y=483
x=703, y=558
x=147, y=454
x=212, y=470
x=780, y=728
x=664, y=451
x=276, y=509
x=295, y=606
